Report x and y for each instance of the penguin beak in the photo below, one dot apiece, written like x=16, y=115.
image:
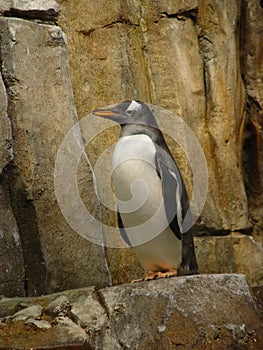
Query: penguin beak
x=105, y=113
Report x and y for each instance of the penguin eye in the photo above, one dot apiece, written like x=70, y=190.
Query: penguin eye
x=129, y=112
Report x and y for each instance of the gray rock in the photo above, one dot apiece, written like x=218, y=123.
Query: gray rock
x=76, y=333
x=45, y=10
x=6, y=151
x=192, y=311
x=59, y=307
x=12, y=271
x=89, y=313
x=41, y=324
x=33, y=311
x=39, y=129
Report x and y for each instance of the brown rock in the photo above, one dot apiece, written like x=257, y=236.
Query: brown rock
x=235, y=253
x=252, y=69
x=218, y=24
x=38, y=335
x=158, y=53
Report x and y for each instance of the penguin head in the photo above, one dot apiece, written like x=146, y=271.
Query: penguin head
x=128, y=112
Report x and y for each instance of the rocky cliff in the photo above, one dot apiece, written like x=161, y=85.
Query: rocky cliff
x=201, y=60
x=198, y=64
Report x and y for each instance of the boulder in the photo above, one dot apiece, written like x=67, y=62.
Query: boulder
x=196, y=312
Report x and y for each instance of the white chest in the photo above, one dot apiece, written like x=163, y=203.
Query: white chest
x=134, y=176
x=135, y=147
x=138, y=191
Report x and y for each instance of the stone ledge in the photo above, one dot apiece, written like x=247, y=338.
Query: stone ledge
x=30, y=9
x=195, y=312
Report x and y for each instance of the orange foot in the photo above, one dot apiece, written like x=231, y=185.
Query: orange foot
x=167, y=274
x=151, y=276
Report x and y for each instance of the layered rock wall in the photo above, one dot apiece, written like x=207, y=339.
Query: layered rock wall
x=41, y=110
x=202, y=60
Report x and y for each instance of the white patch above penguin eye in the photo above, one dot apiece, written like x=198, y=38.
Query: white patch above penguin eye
x=134, y=106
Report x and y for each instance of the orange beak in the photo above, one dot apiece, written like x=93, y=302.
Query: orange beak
x=104, y=113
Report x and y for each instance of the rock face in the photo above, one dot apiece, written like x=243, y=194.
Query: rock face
x=252, y=69
x=182, y=57
x=237, y=252
x=6, y=152
x=201, y=60
x=41, y=110
x=198, y=312
x=12, y=272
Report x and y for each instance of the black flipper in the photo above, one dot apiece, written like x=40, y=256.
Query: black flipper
x=169, y=186
x=174, y=190
x=122, y=229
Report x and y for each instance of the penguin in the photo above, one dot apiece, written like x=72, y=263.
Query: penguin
x=152, y=202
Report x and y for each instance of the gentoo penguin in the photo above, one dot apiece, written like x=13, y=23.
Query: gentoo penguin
x=152, y=203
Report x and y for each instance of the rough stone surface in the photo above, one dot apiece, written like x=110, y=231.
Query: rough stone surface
x=170, y=54
x=6, y=153
x=12, y=270
x=33, y=311
x=56, y=257
x=181, y=55
x=252, y=69
x=76, y=334
x=214, y=312
x=225, y=113
x=235, y=253
x=41, y=324
x=92, y=320
x=59, y=307
x=184, y=305
x=34, y=9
